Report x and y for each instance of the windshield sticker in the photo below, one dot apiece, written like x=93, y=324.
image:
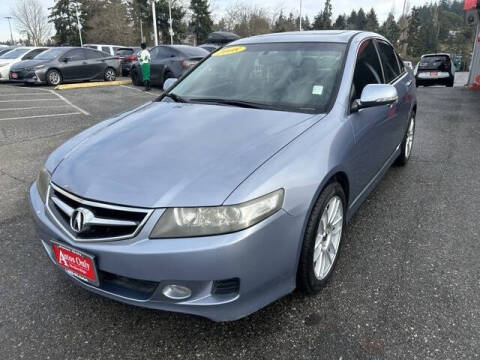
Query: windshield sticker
x=229, y=50
x=317, y=90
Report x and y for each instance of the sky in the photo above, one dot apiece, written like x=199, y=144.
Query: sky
x=310, y=8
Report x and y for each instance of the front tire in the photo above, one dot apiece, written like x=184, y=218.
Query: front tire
x=407, y=143
x=109, y=74
x=54, y=77
x=322, y=240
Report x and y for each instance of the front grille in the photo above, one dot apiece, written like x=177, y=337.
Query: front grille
x=99, y=221
x=228, y=286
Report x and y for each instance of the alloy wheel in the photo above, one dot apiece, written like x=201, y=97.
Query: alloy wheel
x=54, y=78
x=109, y=75
x=327, y=241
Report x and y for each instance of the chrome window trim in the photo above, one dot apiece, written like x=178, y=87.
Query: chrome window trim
x=147, y=212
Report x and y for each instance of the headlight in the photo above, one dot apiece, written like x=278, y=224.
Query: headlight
x=203, y=221
x=43, y=180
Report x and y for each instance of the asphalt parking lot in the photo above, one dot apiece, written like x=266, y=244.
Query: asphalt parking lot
x=406, y=286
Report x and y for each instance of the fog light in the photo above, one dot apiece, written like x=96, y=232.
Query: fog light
x=176, y=292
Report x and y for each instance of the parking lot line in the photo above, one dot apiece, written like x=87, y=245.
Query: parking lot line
x=69, y=103
x=35, y=107
x=22, y=94
x=140, y=90
x=40, y=116
x=2, y=101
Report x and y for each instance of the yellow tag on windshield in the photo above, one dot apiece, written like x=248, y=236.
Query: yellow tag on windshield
x=229, y=50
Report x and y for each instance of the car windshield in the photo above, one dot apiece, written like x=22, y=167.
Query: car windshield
x=14, y=53
x=50, y=54
x=299, y=77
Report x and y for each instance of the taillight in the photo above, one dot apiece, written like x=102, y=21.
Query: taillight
x=188, y=63
x=131, y=58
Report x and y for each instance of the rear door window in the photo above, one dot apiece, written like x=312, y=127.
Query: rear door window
x=75, y=55
x=106, y=49
x=390, y=65
x=93, y=54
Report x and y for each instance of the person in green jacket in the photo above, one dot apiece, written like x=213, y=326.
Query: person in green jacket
x=144, y=60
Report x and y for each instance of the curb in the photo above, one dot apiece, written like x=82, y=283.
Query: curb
x=92, y=84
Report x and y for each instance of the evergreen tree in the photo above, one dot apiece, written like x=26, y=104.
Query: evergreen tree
x=63, y=17
x=390, y=29
x=352, y=21
x=341, y=22
x=414, y=46
x=372, y=21
x=178, y=24
x=323, y=21
x=361, y=20
x=201, y=22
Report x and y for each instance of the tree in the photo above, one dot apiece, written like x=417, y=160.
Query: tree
x=62, y=15
x=390, y=29
x=414, y=46
x=283, y=23
x=372, y=21
x=140, y=15
x=323, y=21
x=32, y=21
x=178, y=24
x=352, y=22
x=341, y=22
x=101, y=29
x=201, y=22
x=361, y=20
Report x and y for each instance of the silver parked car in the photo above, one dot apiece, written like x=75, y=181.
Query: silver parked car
x=235, y=186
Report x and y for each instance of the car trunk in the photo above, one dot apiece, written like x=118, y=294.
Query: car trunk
x=434, y=63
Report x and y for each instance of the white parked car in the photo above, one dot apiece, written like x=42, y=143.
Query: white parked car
x=16, y=55
x=109, y=49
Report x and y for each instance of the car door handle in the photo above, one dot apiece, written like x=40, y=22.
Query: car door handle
x=408, y=83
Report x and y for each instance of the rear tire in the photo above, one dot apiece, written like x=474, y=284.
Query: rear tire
x=53, y=77
x=450, y=82
x=110, y=74
x=135, y=78
x=322, y=240
x=407, y=143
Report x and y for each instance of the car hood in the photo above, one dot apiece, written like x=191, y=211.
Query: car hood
x=28, y=64
x=171, y=154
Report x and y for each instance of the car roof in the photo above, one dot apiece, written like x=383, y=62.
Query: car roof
x=337, y=36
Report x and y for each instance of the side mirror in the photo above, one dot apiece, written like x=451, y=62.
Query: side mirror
x=169, y=83
x=375, y=95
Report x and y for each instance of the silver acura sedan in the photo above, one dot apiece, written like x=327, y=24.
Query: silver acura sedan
x=235, y=186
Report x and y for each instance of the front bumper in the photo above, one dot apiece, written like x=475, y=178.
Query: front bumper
x=263, y=258
x=28, y=76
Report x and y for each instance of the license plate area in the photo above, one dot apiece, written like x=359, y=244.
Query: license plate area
x=14, y=75
x=76, y=263
x=434, y=73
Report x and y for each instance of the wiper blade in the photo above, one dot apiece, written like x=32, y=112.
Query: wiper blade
x=239, y=103
x=175, y=97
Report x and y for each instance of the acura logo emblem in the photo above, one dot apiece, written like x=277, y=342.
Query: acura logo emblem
x=80, y=219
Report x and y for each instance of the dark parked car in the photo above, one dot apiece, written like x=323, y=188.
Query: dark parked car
x=168, y=61
x=209, y=47
x=435, y=69
x=128, y=56
x=63, y=64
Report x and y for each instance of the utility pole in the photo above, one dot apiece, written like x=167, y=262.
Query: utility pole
x=300, y=15
x=10, y=25
x=170, y=30
x=154, y=14
x=79, y=25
